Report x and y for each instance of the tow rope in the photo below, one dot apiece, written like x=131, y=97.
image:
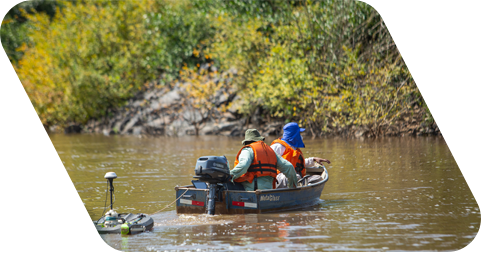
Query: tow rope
x=170, y=203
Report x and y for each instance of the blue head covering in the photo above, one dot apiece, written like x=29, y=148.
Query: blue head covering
x=292, y=135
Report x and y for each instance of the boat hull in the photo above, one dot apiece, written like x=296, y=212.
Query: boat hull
x=144, y=224
x=244, y=202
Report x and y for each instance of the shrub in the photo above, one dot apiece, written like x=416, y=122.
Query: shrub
x=85, y=60
x=14, y=27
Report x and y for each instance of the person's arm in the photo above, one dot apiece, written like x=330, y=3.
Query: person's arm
x=286, y=167
x=311, y=161
x=278, y=148
x=245, y=159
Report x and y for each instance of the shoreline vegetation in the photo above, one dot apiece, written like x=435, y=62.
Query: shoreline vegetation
x=215, y=67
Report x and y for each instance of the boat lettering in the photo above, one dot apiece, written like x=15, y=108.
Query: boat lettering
x=270, y=198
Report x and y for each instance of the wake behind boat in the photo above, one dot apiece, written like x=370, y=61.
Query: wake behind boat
x=212, y=193
x=123, y=223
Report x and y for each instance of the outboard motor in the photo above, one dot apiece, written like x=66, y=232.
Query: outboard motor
x=213, y=170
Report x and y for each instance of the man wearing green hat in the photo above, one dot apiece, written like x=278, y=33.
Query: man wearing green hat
x=256, y=164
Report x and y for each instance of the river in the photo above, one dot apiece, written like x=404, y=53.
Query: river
x=385, y=194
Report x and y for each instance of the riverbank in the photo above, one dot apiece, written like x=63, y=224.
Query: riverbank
x=168, y=111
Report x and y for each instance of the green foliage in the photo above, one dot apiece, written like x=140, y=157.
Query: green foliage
x=93, y=56
x=14, y=27
x=85, y=60
x=176, y=32
x=327, y=64
x=299, y=66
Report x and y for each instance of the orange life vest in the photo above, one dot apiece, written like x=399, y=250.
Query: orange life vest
x=294, y=156
x=264, y=164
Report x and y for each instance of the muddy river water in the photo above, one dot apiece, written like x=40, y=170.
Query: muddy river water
x=387, y=194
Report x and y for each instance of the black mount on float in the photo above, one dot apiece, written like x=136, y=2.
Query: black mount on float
x=110, y=176
x=214, y=171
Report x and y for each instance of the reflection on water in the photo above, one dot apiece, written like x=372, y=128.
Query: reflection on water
x=382, y=195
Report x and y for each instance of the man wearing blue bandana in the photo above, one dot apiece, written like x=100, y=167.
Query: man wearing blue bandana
x=289, y=148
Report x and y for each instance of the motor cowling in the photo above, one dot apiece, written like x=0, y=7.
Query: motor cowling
x=212, y=169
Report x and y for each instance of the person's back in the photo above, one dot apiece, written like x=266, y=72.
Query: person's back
x=262, y=168
x=257, y=164
x=293, y=155
x=289, y=148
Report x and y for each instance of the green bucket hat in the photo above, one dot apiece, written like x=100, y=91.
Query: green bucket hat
x=252, y=135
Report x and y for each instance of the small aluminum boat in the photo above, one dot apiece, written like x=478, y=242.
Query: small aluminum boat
x=195, y=198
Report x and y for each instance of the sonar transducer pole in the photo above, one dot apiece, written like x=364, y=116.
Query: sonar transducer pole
x=111, y=176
